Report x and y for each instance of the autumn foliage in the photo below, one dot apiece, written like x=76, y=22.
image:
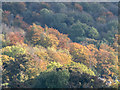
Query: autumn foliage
x=59, y=45
x=15, y=37
x=47, y=37
x=44, y=49
x=78, y=6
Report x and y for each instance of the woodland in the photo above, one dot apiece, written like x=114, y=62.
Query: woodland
x=60, y=45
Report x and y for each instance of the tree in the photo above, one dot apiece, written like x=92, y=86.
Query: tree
x=79, y=7
x=61, y=56
x=46, y=16
x=15, y=37
x=52, y=79
x=107, y=61
x=82, y=54
x=81, y=29
x=14, y=7
x=92, y=33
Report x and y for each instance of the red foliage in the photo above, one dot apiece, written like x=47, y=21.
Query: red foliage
x=17, y=21
x=78, y=6
x=100, y=19
x=108, y=14
x=15, y=37
x=46, y=4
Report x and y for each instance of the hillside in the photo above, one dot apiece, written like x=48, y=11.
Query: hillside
x=69, y=18
x=60, y=45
